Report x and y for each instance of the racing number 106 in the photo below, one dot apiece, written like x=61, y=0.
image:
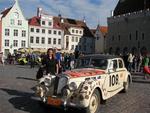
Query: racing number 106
x=113, y=80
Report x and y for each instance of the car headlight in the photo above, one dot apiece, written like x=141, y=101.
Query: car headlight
x=65, y=92
x=47, y=82
x=72, y=86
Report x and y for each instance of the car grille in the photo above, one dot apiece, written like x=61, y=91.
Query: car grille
x=60, y=82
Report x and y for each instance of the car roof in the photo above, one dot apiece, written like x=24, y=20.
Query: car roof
x=101, y=56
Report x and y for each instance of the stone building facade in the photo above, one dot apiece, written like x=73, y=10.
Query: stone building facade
x=128, y=28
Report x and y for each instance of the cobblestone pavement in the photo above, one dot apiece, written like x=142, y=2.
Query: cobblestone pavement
x=17, y=94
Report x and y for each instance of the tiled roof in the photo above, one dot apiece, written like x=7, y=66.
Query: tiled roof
x=5, y=12
x=35, y=21
x=128, y=6
x=67, y=23
x=103, y=29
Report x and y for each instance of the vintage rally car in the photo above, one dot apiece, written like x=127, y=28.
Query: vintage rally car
x=95, y=79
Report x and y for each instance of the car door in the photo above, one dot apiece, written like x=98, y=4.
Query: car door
x=121, y=72
x=112, y=79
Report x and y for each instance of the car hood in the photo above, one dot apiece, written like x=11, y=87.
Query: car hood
x=84, y=72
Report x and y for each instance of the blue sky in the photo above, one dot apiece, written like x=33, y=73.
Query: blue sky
x=94, y=11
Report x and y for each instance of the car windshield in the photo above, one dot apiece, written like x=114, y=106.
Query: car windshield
x=92, y=63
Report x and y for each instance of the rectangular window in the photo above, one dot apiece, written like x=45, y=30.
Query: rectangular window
x=37, y=40
x=23, y=33
x=76, y=31
x=49, y=31
x=31, y=39
x=32, y=29
x=6, y=32
x=54, y=41
x=49, y=40
x=113, y=38
x=15, y=32
x=15, y=44
x=143, y=36
x=49, y=23
x=59, y=33
x=80, y=32
x=37, y=30
x=59, y=41
x=43, y=30
x=72, y=39
x=55, y=32
x=43, y=40
x=119, y=37
x=72, y=47
x=136, y=35
x=76, y=39
x=43, y=22
x=23, y=43
x=19, y=22
x=7, y=43
x=73, y=31
x=12, y=21
x=130, y=37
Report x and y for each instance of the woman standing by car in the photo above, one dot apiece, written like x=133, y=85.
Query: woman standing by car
x=50, y=63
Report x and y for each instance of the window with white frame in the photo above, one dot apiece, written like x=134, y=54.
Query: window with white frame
x=49, y=31
x=23, y=33
x=15, y=43
x=43, y=22
x=6, y=32
x=12, y=21
x=59, y=41
x=76, y=31
x=54, y=41
x=76, y=39
x=31, y=39
x=49, y=40
x=19, y=22
x=80, y=32
x=72, y=39
x=59, y=33
x=72, y=30
x=15, y=32
x=7, y=43
x=37, y=40
x=72, y=47
x=23, y=43
x=32, y=29
x=55, y=32
x=49, y=23
x=43, y=30
x=37, y=30
x=43, y=40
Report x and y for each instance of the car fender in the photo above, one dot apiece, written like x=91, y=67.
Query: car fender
x=87, y=90
x=128, y=74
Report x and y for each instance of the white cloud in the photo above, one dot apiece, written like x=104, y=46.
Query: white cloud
x=77, y=9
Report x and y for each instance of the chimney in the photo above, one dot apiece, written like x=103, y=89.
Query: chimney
x=62, y=20
x=39, y=11
x=111, y=13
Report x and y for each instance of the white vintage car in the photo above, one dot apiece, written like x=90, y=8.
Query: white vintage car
x=95, y=79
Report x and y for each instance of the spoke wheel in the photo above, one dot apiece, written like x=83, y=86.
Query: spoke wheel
x=94, y=103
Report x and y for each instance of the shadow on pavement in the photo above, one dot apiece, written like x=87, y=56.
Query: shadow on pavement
x=26, y=78
x=25, y=102
x=142, y=81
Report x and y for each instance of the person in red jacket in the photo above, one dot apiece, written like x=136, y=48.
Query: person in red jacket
x=146, y=67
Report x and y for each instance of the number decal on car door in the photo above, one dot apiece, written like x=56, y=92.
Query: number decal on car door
x=113, y=80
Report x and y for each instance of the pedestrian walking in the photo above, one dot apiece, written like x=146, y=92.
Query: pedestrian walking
x=146, y=67
x=130, y=61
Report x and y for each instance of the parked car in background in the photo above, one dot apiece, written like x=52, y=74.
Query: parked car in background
x=95, y=79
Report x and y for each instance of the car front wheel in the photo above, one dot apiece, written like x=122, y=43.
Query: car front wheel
x=94, y=103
